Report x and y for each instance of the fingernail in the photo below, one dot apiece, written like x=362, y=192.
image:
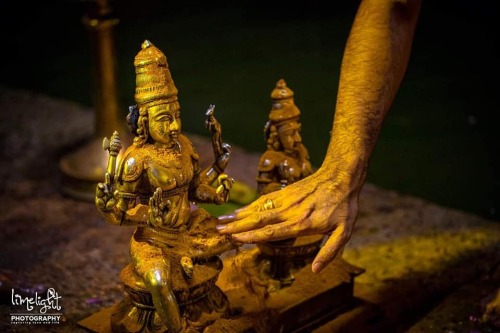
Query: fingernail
x=316, y=267
x=226, y=217
x=220, y=227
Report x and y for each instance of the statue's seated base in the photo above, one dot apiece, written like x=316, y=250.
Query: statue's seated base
x=313, y=299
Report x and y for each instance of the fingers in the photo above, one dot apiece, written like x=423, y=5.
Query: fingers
x=237, y=214
x=268, y=211
x=153, y=210
x=158, y=207
x=222, y=191
x=250, y=218
x=104, y=199
x=100, y=190
x=155, y=200
x=257, y=215
x=110, y=204
x=107, y=178
x=268, y=233
x=152, y=204
x=153, y=207
x=100, y=203
x=251, y=222
x=331, y=249
x=275, y=225
x=103, y=189
x=226, y=148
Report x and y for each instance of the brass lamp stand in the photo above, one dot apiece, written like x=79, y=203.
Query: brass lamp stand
x=83, y=168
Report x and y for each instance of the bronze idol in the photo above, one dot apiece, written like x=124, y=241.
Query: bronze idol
x=171, y=279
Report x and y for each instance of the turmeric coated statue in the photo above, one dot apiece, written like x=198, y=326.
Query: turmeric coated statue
x=171, y=279
x=285, y=161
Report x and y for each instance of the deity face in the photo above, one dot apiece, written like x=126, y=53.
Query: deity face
x=164, y=124
x=289, y=135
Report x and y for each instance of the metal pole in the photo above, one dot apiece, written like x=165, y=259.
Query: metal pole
x=84, y=168
x=99, y=22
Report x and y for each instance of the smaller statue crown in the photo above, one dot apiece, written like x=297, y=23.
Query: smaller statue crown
x=153, y=78
x=283, y=107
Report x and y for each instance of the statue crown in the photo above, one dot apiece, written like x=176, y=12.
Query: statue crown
x=283, y=107
x=153, y=78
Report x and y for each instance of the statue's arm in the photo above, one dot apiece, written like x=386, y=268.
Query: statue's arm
x=117, y=199
x=214, y=189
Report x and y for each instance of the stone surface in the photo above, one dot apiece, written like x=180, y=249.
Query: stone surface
x=428, y=268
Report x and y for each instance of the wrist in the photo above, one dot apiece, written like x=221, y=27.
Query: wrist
x=346, y=169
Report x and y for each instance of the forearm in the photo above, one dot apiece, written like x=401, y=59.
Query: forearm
x=209, y=175
x=375, y=60
x=205, y=194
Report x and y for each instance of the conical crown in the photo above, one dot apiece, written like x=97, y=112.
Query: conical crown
x=283, y=107
x=153, y=78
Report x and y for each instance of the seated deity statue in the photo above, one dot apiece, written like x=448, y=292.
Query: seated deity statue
x=155, y=186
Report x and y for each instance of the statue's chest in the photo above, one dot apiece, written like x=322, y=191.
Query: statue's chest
x=169, y=172
x=291, y=167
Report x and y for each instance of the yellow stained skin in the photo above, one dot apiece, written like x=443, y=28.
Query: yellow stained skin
x=375, y=60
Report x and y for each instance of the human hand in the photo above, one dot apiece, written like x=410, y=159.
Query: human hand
x=318, y=204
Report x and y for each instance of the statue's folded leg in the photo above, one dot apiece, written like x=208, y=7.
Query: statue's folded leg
x=153, y=266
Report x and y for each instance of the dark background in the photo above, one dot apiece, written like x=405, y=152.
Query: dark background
x=440, y=140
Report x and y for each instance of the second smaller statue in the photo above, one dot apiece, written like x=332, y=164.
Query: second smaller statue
x=285, y=161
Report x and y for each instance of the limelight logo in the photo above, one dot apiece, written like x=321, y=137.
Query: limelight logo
x=41, y=309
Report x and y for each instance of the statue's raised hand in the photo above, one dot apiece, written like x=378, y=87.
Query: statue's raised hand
x=106, y=196
x=222, y=159
x=222, y=150
x=157, y=208
x=225, y=183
